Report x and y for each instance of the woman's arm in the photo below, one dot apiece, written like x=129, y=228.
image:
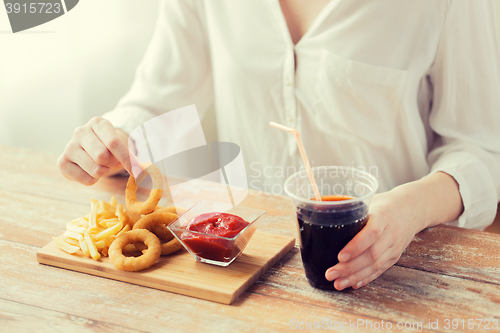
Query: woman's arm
x=432, y=200
x=465, y=114
x=464, y=183
x=175, y=72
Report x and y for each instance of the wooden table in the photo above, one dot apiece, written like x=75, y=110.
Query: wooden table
x=447, y=273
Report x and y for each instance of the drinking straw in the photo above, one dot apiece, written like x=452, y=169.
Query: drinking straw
x=304, y=156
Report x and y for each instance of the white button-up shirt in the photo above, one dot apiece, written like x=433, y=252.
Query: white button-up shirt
x=400, y=88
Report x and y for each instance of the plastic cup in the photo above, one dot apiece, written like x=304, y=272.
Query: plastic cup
x=325, y=227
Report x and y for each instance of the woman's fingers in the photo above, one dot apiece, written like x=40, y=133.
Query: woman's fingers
x=371, y=271
x=364, y=281
x=371, y=255
x=87, y=164
x=376, y=247
x=381, y=243
x=74, y=172
x=95, y=151
x=109, y=138
x=136, y=165
x=371, y=233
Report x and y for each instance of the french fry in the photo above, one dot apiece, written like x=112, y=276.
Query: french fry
x=126, y=228
x=94, y=233
x=112, y=224
x=104, y=214
x=94, y=253
x=100, y=245
x=95, y=230
x=108, y=232
x=65, y=246
x=83, y=222
x=75, y=221
x=94, y=204
x=71, y=241
x=75, y=228
x=104, y=222
x=108, y=207
x=122, y=217
x=110, y=240
x=84, y=248
x=113, y=220
x=113, y=202
x=72, y=234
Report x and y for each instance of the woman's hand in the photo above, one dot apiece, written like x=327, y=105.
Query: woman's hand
x=395, y=217
x=97, y=149
x=375, y=248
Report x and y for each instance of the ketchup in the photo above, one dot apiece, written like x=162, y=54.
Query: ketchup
x=217, y=224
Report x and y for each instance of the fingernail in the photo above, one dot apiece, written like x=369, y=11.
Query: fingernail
x=359, y=284
x=136, y=171
x=343, y=257
x=332, y=275
x=343, y=283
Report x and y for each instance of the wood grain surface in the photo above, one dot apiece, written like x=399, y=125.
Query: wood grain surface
x=181, y=273
x=446, y=273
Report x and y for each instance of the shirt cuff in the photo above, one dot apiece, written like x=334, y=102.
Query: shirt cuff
x=475, y=185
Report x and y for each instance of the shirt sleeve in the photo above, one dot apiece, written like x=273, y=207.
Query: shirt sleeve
x=175, y=71
x=465, y=114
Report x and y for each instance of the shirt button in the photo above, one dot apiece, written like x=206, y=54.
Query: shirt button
x=288, y=82
x=290, y=119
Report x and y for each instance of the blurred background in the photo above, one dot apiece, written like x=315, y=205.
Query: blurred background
x=57, y=76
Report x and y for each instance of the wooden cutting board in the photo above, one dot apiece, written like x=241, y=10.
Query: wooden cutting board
x=181, y=273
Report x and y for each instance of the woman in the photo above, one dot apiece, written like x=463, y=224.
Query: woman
x=411, y=87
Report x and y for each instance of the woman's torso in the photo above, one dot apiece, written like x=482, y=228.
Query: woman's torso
x=354, y=85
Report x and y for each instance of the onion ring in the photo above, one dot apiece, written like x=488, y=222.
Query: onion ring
x=132, y=217
x=170, y=209
x=160, y=220
x=161, y=231
x=170, y=247
x=149, y=205
x=133, y=264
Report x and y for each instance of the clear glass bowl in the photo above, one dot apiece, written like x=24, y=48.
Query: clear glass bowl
x=215, y=250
